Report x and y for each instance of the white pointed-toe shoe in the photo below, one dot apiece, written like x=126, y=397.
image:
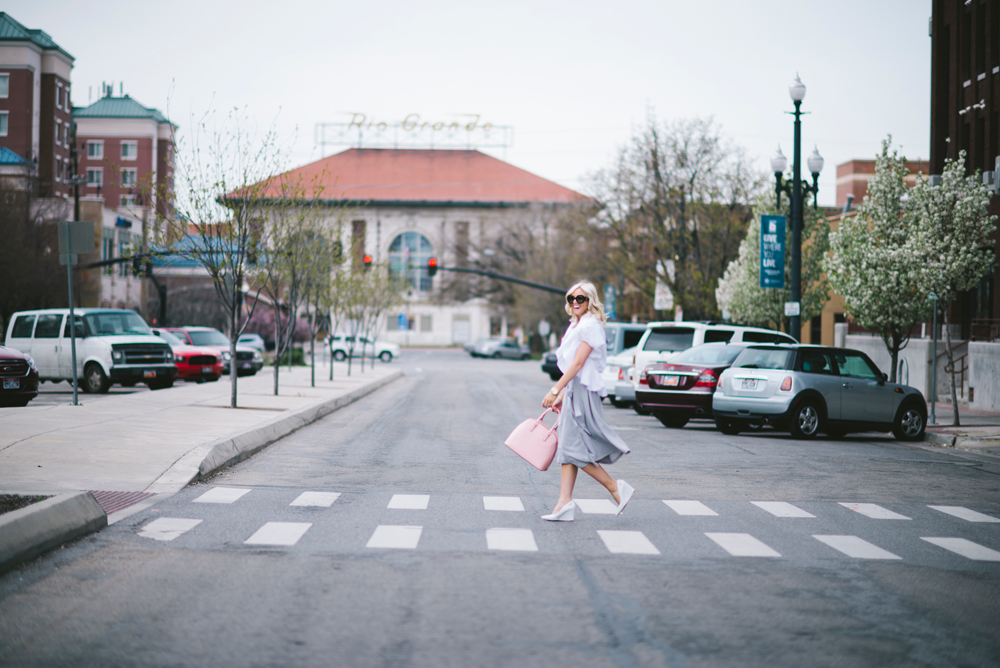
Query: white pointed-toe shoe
x=564, y=514
x=625, y=492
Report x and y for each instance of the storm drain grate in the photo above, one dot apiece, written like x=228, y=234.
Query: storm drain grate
x=114, y=501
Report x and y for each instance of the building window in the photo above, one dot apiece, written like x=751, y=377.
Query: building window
x=3, y=123
x=94, y=177
x=359, y=232
x=59, y=91
x=95, y=150
x=59, y=129
x=128, y=177
x=408, y=256
x=128, y=201
x=4, y=85
x=124, y=240
x=59, y=170
x=108, y=249
x=426, y=323
x=130, y=150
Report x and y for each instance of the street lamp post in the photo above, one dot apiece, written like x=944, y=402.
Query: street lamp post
x=796, y=189
x=934, y=298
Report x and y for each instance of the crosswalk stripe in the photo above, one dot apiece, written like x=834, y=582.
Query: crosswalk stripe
x=597, y=506
x=396, y=537
x=874, y=511
x=168, y=528
x=317, y=499
x=965, y=514
x=856, y=547
x=782, y=509
x=503, y=503
x=690, y=508
x=627, y=542
x=279, y=533
x=966, y=548
x=221, y=495
x=515, y=540
x=409, y=501
x=742, y=545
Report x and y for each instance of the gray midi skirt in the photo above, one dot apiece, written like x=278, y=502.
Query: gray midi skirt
x=584, y=437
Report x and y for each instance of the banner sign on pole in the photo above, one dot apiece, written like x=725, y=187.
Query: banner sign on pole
x=772, y=251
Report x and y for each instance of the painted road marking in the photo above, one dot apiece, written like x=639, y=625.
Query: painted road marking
x=316, y=499
x=690, y=508
x=966, y=548
x=627, y=542
x=221, y=495
x=855, y=547
x=965, y=514
x=409, y=501
x=782, y=509
x=873, y=511
x=279, y=533
x=168, y=528
x=742, y=545
x=597, y=506
x=502, y=503
x=515, y=540
x=396, y=537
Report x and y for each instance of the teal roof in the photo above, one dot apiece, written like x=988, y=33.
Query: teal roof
x=119, y=107
x=11, y=30
x=8, y=157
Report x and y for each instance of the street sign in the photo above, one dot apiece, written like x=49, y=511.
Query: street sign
x=76, y=237
x=68, y=258
x=772, y=252
x=663, y=298
x=792, y=309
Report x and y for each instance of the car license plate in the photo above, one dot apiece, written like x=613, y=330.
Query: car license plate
x=149, y=374
x=11, y=384
x=206, y=369
x=247, y=365
x=748, y=384
x=672, y=380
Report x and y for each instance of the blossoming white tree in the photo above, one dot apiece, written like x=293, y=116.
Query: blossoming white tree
x=875, y=262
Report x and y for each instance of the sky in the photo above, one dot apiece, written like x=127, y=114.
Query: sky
x=574, y=79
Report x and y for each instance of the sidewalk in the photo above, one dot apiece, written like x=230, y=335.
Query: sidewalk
x=979, y=431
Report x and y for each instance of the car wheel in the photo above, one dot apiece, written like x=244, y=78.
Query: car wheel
x=557, y=377
x=496, y=355
x=161, y=384
x=526, y=356
x=618, y=403
x=641, y=411
x=728, y=427
x=95, y=381
x=339, y=355
x=672, y=421
x=806, y=421
x=909, y=424
x=386, y=356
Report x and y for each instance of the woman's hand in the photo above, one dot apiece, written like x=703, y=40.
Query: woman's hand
x=549, y=400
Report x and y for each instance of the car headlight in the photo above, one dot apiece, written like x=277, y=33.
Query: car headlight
x=117, y=356
x=31, y=362
x=179, y=359
x=226, y=356
x=256, y=355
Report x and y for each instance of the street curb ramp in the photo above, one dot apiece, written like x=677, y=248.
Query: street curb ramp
x=229, y=451
x=28, y=532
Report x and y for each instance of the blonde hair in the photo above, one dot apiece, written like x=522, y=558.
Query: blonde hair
x=594, y=305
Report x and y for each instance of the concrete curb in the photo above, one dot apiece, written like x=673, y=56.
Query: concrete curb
x=30, y=531
x=944, y=440
x=962, y=441
x=210, y=458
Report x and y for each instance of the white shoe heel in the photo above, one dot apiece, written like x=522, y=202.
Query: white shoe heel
x=565, y=514
x=625, y=492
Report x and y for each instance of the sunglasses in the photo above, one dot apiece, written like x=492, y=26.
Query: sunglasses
x=580, y=299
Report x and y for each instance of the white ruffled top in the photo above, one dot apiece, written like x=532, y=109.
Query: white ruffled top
x=589, y=329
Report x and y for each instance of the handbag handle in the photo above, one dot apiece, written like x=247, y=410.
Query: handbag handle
x=541, y=418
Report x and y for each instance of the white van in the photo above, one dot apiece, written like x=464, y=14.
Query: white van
x=663, y=340
x=112, y=346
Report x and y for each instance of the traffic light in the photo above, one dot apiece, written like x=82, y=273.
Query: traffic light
x=432, y=266
x=368, y=262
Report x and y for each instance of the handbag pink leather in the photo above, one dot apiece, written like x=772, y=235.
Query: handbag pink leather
x=534, y=442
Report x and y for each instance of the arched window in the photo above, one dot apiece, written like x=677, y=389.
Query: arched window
x=408, y=256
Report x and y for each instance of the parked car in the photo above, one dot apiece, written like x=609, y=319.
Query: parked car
x=340, y=346
x=112, y=346
x=622, y=336
x=193, y=363
x=551, y=366
x=682, y=389
x=19, y=377
x=471, y=345
x=255, y=341
x=498, y=348
x=618, y=372
x=248, y=360
x=809, y=390
x=663, y=340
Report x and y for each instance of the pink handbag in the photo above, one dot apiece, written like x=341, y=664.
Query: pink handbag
x=535, y=442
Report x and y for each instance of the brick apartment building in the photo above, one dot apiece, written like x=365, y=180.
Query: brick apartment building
x=35, y=108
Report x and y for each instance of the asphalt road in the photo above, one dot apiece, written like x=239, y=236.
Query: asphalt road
x=401, y=562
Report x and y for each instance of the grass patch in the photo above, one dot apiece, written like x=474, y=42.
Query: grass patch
x=9, y=502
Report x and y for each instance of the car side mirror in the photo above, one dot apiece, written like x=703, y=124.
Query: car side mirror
x=884, y=378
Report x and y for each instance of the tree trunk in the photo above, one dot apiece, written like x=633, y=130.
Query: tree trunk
x=312, y=356
x=277, y=345
x=892, y=345
x=956, y=422
x=233, y=335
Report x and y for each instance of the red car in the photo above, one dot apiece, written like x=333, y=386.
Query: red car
x=681, y=388
x=192, y=362
x=248, y=360
x=18, y=377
